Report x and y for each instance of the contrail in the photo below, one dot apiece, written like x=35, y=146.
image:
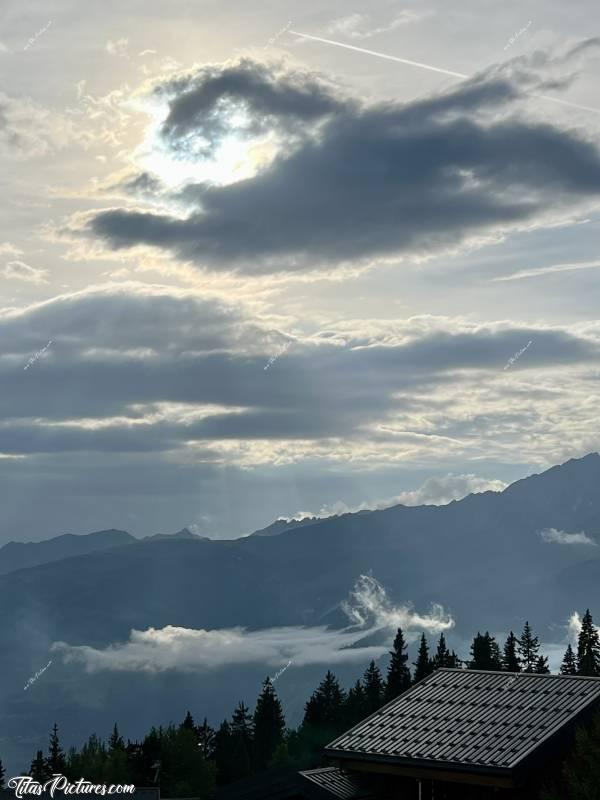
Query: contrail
x=382, y=55
x=534, y=273
x=429, y=67
x=566, y=103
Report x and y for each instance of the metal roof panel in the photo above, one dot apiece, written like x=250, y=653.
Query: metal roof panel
x=470, y=718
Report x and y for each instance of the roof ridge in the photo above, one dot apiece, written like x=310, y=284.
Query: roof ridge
x=513, y=674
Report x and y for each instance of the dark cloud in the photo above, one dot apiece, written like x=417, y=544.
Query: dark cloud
x=366, y=181
x=174, y=383
x=122, y=358
x=143, y=184
x=200, y=104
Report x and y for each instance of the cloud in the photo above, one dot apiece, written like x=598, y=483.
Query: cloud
x=186, y=649
x=555, y=536
x=356, y=26
x=21, y=271
x=118, y=47
x=157, y=650
x=574, y=627
x=435, y=491
x=439, y=491
x=556, y=650
x=369, y=606
x=6, y=248
x=204, y=104
x=29, y=130
x=179, y=374
x=154, y=369
x=369, y=180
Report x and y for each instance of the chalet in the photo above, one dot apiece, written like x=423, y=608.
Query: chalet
x=456, y=734
x=466, y=733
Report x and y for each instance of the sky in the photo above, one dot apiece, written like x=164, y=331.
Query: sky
x=248, y=274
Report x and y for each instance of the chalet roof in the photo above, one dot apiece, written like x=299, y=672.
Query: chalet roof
x=469, y=719
x=336, y=782
x=326, y=783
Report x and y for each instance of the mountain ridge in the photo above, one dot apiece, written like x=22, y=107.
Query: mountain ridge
x=482, y=558
x=24, y=555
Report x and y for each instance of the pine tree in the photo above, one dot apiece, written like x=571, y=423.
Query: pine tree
x=485, y=653
x=117, y=766
x=269, y=725
x=295, y=745
x=115, y=741
x=374, y=688
x=510, y=659
x=39, y=768
x=224, y=753
x=183, y=770
x=188, y=722
x=588, y=648
x=454, y=661
x=206, y=739
x=541, y=666
x=442, y=657
x=496, y=658
x=354, y=707
x=529, y=646
x=241, y=735
x=569, y=663
x=241, y=723
x=398, y=674
x=56, y=757
x=2, y=775
x=423, y=665
x=324, y=707
x=91, y=761
x=324, y=714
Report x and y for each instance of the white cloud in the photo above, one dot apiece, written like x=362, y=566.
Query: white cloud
x=357, y=26
x=21, y=271
x=186, y=649
x=439, y=491
x=29, y=130
x=157, y=650
x=435, y=491
x=6, y=248
x=370, y=606
x=118, y=47
x=574, y=627
x=555, y=536
x=555, y=651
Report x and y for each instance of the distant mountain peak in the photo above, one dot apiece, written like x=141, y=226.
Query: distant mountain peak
x=184, y=533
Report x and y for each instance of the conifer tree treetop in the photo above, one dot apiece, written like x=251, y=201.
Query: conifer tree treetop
x=588, y=648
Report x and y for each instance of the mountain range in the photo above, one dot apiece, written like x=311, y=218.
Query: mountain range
x=491, y=560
